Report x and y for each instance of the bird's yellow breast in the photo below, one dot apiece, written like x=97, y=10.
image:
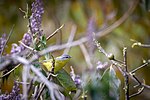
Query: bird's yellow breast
x=59, y=64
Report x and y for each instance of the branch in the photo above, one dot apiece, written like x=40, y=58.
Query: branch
x=125, y=75
x=120, y=21
x=51, y=35
x=139, y=44
x=71, y=37
x=144, y=65
x=140, y=90
x=10, y=71
x=11, y=31
x=86, y=56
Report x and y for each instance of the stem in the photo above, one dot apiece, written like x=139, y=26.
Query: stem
x=145, y=64
x=125, y=74
x=48, y=77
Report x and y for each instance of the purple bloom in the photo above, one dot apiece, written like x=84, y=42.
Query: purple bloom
x=2, y=42
x=77, y=80
x=35, y=25
x=15, y=49
x=27, y=40
x=14, y=95
x=101, y=65
x=36, y=17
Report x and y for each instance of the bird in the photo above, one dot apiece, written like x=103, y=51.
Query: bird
x=60, y=62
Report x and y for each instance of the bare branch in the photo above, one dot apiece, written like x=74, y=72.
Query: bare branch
x=144, y=65
x=71, y=37
x=11, y=31
x=126, y=87
x=120, y=21
x=140, y=90
x=10, y=71
x=139, y=44
x=86, y=56
x=51, y=35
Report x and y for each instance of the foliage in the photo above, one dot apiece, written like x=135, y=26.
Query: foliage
x=91, y=22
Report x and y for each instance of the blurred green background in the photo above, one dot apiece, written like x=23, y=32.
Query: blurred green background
x=80, y=14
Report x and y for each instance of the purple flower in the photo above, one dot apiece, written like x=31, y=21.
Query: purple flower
x=15, y=49
x=36, y=17
x=2, y=42
x=14, y=95
x=35, y=25
x=77, y=80
x=27, y=40
x=101, y=65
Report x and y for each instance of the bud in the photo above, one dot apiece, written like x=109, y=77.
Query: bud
x=111, y=56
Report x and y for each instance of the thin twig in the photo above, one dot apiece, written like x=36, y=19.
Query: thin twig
x=86, y=56
x=125, y=75
x=10, y=33
x=139, y=44
x=71, y=37
x=145, y=45
x=120, y=21
x=138, y=93
x=10, y=71
x=144, y=65
x=51, y=35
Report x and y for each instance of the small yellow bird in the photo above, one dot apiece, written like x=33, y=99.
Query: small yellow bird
x=60, y=62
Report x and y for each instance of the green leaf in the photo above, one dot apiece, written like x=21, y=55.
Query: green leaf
x=114, y=84
x=43, y=40
x=65, y=80
x=110, y=80
x=105, y=87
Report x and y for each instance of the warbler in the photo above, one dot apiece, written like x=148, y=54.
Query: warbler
x=60, y=62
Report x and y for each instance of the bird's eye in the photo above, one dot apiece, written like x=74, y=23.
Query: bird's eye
x=66, y=57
